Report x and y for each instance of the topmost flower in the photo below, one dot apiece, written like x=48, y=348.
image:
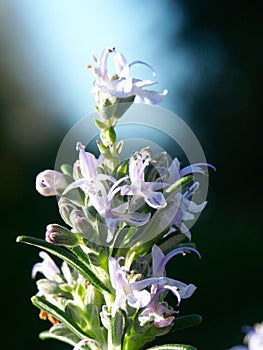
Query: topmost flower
x=121, y=87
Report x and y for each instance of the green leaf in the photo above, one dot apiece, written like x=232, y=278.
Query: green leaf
x=67, y=169
x=60, y=315
x=185, y=321
x=61, y=333
x=66, y=256
x=118, y=326
x=75, y=313
x=173, y=347
x=99, y=124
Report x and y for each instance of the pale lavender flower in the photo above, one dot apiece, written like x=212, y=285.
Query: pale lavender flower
x=253, y=338
x=175, y=173
x=139, y=188
x=47, y=267
x=133, y=293
x=90, y=181
x=113, y=216
x=121, y=85
x=184, y=209
x=155, y=310
x=95, y=185
x=50, y=183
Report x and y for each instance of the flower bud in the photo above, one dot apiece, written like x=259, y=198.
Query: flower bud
x=50, y=183
x=60, y=235
x=65, y=208
x=80, y=223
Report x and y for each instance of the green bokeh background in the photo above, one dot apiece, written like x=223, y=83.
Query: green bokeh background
x=226, y=119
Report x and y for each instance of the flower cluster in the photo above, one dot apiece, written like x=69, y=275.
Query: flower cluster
x=124, y=221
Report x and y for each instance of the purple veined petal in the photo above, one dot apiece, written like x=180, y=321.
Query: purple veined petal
x=136, y=219
x=155, y=200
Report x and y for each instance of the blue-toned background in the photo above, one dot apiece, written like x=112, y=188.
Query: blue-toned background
x=208, y=56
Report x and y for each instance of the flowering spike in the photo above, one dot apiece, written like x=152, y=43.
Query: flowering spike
x=124, y=222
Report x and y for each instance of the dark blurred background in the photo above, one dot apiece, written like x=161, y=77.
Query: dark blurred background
x=208, y=54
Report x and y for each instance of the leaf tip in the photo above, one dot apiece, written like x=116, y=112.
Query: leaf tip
x=19, y=239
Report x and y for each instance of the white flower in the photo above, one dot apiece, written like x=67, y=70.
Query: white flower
x=47, y=267
x=139, y=188
x=121, y=85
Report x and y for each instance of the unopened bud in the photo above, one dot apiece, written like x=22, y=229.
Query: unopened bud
x=60, y=235
x=50, y=183
x=81, y=224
